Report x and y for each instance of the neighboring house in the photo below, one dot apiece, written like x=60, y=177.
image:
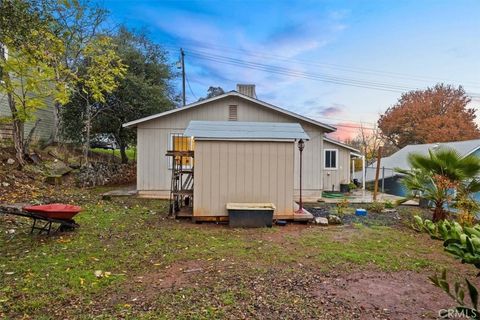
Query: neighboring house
x=390, y=179
x=326, y=162
x=44, y=130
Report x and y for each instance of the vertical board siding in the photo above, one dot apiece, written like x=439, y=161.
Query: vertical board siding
x=236, y=171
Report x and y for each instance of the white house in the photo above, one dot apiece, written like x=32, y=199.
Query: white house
x=326, y=162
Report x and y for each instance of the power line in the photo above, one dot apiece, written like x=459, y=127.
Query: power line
x=347, y=120
x=301, y=74
x=329, y=76
x=399, y=88
x=191, y=91
x=305, y=75
x=353, y=126
x=222, y=48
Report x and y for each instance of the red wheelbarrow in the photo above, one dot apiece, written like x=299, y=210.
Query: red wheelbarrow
x=58, y=213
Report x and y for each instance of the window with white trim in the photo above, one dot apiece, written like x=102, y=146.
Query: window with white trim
x=330, y=158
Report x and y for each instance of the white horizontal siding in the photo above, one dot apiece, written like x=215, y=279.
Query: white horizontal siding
x=333, y=177
x=45, y=128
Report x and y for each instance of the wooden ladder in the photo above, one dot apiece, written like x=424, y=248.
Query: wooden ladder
x=181, y=187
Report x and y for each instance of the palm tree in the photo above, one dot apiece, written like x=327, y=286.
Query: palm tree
x=440, y=176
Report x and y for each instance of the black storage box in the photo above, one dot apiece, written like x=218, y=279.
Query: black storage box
x=250, y=215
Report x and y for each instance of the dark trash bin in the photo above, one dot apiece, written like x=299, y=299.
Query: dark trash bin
x=344, y=188
x=250, y=215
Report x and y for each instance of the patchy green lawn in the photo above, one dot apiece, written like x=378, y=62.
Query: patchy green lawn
x=131, y=152
x=129, y=260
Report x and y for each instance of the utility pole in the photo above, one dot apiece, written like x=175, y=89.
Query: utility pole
x=377, y=173
x=182, y=55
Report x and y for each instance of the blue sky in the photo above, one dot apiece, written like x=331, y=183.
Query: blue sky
x=340, y=62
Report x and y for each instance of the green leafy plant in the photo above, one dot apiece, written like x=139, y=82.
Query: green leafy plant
x=435, y=176
x=389, y=204
x=442, y=230
x=466, y=247
x=342, y=206
x=376, y=207
x=467, y=208
x=464, y=244
x=458, y=294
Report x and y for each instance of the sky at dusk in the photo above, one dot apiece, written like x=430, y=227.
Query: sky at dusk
x=339, y=62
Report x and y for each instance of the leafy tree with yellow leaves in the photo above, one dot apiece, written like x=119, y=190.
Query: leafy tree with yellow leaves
x=27, y=76
x=53, y=49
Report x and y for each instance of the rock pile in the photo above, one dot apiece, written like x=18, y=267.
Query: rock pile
x=102, y=173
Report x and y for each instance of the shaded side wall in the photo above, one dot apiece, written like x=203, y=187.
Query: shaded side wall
x=333, y=177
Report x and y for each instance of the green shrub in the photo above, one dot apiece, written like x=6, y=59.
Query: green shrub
x=376, y=207
x=467, y=208
x=342, y=206
x=389, y=204
x=464, y=244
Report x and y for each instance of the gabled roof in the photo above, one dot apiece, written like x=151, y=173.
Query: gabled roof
x=232, y=94
x=341, y=144
x=233, y=130
x=400, y=158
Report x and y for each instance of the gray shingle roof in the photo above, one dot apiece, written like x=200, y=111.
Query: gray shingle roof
x=231, y=130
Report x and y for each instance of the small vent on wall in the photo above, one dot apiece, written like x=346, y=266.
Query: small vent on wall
x=232, y=113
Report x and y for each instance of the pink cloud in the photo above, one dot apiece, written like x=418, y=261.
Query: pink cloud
x=345, y=131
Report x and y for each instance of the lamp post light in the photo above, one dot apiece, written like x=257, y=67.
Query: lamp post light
x=301, y=146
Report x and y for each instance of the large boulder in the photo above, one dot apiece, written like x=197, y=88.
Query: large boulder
x=333, y=219
x=321, y=221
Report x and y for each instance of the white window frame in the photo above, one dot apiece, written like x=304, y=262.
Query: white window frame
x=170, y=146
x=325, y=159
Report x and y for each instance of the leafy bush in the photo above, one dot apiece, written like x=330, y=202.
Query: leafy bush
x=389, y=204
x=464, y=244
x=442, y=230
x=467, y=209
x=342, y=206
x=376, y=207
x=459, y=295
x=434, y=176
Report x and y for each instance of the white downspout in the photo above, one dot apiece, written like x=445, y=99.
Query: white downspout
x=364, y=173
x=352, y=170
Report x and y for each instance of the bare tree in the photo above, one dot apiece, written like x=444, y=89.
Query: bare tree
x=368, y=140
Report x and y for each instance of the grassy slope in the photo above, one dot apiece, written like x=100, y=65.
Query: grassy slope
x=54, y=276
x=131, y=153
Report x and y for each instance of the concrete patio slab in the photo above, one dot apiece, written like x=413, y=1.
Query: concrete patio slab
x=127, y=191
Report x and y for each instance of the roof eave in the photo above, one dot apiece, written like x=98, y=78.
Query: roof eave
x=342, y=145
x=245, y=139
x=328, y=128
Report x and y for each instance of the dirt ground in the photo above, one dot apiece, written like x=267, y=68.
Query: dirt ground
x=161, y=268
x=348, y=293
x=380, y=295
